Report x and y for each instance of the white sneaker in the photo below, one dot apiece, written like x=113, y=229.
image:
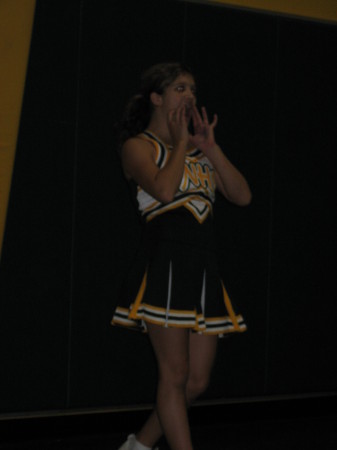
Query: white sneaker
x=128, y=443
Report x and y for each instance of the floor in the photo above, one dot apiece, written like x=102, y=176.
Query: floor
x=294, y=425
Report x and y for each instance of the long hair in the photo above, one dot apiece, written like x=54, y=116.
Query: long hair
x=137, y=113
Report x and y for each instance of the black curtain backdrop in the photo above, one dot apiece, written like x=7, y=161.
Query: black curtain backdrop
x=72, y=231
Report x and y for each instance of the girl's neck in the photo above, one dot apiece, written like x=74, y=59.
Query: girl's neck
x=160, y=129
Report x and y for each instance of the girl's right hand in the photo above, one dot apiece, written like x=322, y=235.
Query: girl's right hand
x=177, y=125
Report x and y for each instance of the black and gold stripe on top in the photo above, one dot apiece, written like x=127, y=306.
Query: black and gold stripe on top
x=197, y=188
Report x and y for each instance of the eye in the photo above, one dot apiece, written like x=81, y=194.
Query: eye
x=183, y=87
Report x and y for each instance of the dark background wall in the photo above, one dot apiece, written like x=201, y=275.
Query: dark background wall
x=71, y=229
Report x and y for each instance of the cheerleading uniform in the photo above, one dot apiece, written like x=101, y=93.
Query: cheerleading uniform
x=174, y=281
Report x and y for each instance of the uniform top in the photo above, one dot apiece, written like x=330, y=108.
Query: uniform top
x=197, y=187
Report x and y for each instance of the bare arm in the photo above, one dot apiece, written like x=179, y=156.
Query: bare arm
x=230, y=182
x=138, y=161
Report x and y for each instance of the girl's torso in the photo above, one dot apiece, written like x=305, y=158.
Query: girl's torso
x=196, y=192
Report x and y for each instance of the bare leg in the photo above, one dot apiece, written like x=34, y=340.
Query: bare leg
x=202, y=351
x=202, y=354
x=171, y=347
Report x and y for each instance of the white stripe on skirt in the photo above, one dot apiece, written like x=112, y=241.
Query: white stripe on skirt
x=203, y=294
x=169, y=290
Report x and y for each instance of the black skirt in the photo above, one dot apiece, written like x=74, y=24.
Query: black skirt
x=174, y=280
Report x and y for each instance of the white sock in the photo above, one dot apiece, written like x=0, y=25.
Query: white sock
x=137, y=445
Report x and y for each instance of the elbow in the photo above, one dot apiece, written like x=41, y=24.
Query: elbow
x=166, y=199
x=245, y=199
x=163, y=191
x=165, y=196
x=242, y=199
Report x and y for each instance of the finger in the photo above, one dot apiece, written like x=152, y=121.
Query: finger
x=197, y=121
x=184, y=119
x=172, y=115
x=181, y=114
x=196, y=113
x=204, y=115
x=215, y=121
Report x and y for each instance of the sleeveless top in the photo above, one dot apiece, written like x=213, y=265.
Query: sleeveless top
x=197, y=187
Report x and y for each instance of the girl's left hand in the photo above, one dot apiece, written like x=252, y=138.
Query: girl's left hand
x=203, y=137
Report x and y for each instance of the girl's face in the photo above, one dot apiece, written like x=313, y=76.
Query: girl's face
x=181, y=92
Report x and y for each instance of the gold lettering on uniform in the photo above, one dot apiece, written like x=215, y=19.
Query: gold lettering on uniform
x=191, y=174
x=204, y=176
x=197, y=175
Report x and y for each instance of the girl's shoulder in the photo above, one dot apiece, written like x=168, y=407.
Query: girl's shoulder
x=137, y=149
x=136, y=143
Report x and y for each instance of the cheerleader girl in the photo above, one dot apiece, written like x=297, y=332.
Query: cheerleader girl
x=174, y=292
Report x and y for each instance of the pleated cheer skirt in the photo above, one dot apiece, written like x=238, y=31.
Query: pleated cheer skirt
x=174, y=280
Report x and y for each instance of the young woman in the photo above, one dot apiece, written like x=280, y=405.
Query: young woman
x=175, y=292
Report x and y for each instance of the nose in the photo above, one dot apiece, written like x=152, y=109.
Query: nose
x=190, y=97
x=189, y=102
x=191, y=93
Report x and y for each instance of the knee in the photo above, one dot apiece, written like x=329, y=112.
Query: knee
x=196, y=385
x=175, y=375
